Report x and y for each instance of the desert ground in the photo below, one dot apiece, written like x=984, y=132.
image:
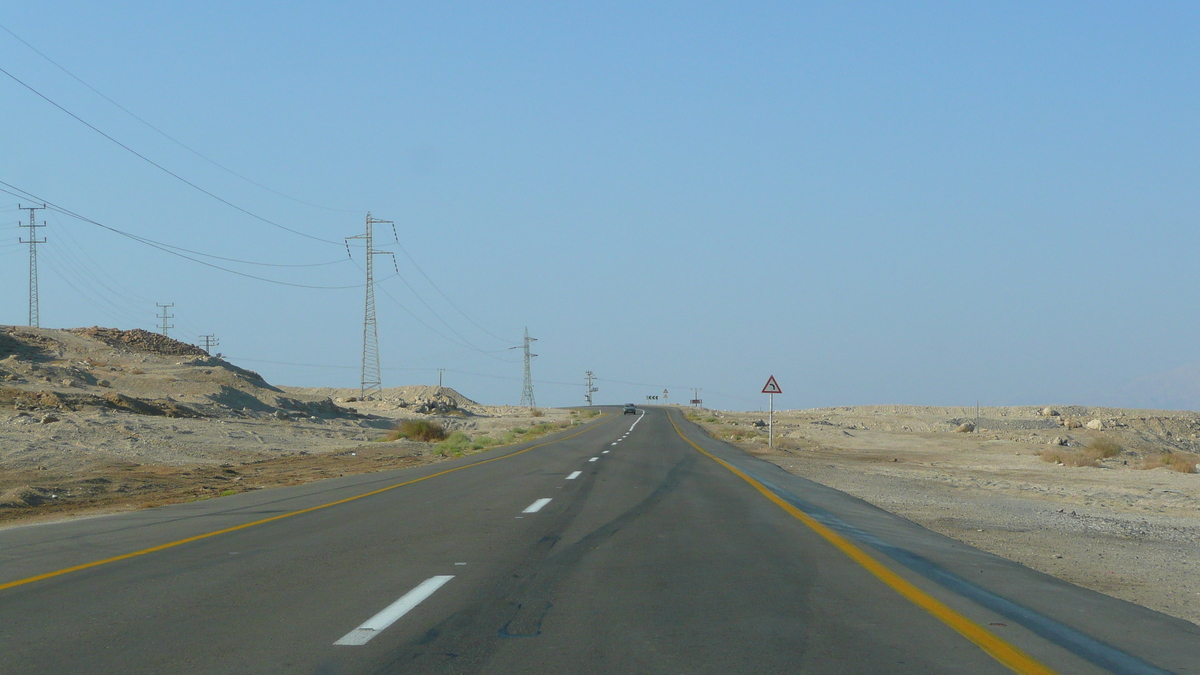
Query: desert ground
x=95, y=420
x=1104, y=498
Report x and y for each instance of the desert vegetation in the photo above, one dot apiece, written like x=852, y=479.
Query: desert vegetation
x=417, y=430
x=1097, y=449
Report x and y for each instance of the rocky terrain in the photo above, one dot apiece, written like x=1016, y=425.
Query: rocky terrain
x=1105, y=498
x=99, y=418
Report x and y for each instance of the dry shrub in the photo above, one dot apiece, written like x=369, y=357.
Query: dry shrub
x=1096, y=450
x=1105, y=447
x=536, y=413
x=1085, y=457
x=418, y=430
x=1183, y=462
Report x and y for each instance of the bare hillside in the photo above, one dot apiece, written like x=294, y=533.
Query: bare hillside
x=106, y=417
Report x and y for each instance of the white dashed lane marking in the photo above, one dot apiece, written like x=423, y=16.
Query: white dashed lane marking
x=574, y=475
x=593, y=459
x=390, y=614
x=537, y=506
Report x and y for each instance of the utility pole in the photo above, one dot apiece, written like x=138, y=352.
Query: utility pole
x=589, y=390
x=34, y=320
x=164, y=327
x=370, y=357
x=696, y=396
x=440, y=371
x=527, y=391
x=210, y=341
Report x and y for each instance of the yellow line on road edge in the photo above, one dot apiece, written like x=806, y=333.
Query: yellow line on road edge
x=161, y=547
x=1006, y=654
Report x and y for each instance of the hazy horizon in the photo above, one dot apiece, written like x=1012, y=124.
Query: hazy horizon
x=928, y=204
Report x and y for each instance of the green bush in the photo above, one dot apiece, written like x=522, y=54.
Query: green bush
x=418, y=430
x=455, y=444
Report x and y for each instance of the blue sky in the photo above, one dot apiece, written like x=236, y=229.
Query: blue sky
x=926, y=202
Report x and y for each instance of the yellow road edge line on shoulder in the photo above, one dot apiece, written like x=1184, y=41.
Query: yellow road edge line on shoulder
x=243, y=526
x=1008, y=655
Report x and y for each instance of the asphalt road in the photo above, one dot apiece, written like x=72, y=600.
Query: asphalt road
x=600, y=550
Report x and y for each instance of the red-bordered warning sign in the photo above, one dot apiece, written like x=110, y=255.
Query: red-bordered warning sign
x=772, y=387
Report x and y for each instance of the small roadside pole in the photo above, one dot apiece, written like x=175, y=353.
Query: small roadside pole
x=771, y=388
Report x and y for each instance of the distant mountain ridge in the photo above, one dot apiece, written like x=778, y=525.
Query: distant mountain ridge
x=1177, y=389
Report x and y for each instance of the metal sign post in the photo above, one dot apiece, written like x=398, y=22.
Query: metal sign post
x=771, y=388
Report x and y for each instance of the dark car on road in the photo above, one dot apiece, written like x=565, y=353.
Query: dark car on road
x=630, y=409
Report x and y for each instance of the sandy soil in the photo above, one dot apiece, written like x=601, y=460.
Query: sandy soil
x=1114, y=526
x=98, y=420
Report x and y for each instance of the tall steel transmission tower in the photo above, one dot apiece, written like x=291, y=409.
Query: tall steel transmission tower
x=34, y=320
x=527, y=391
x=371, y=379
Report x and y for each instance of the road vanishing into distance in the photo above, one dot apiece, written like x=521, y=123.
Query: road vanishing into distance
x=631, y=544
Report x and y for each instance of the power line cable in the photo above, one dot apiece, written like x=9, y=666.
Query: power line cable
x=512, y=379
x=163, y=248
x=431, y=310
x=86, y=295
x=439, y=290
x=431, y=328
x=164, y=169
x=69, y=241
x=318, y=365
x=165, y=134
x=640, y=384
x=78, y=273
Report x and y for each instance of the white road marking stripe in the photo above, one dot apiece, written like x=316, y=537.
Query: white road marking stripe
x=639, y=419
x=372, y=627
x=593, y=459
x=604, y=452
x=537, y=506
x=574, y=475
x=616, y=443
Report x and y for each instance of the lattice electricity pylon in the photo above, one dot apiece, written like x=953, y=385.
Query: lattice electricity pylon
x=371, y=379
x=34, y=319
x=527, y=391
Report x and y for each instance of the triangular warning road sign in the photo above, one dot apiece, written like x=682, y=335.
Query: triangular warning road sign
x=772, y=386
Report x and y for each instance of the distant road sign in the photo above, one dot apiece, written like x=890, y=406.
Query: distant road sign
x=696, y=401
x=772, y=387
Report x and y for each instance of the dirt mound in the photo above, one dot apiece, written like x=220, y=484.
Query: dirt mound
x=139, y=340
x=165, y=408
x=19, y=399
x=26, y=344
